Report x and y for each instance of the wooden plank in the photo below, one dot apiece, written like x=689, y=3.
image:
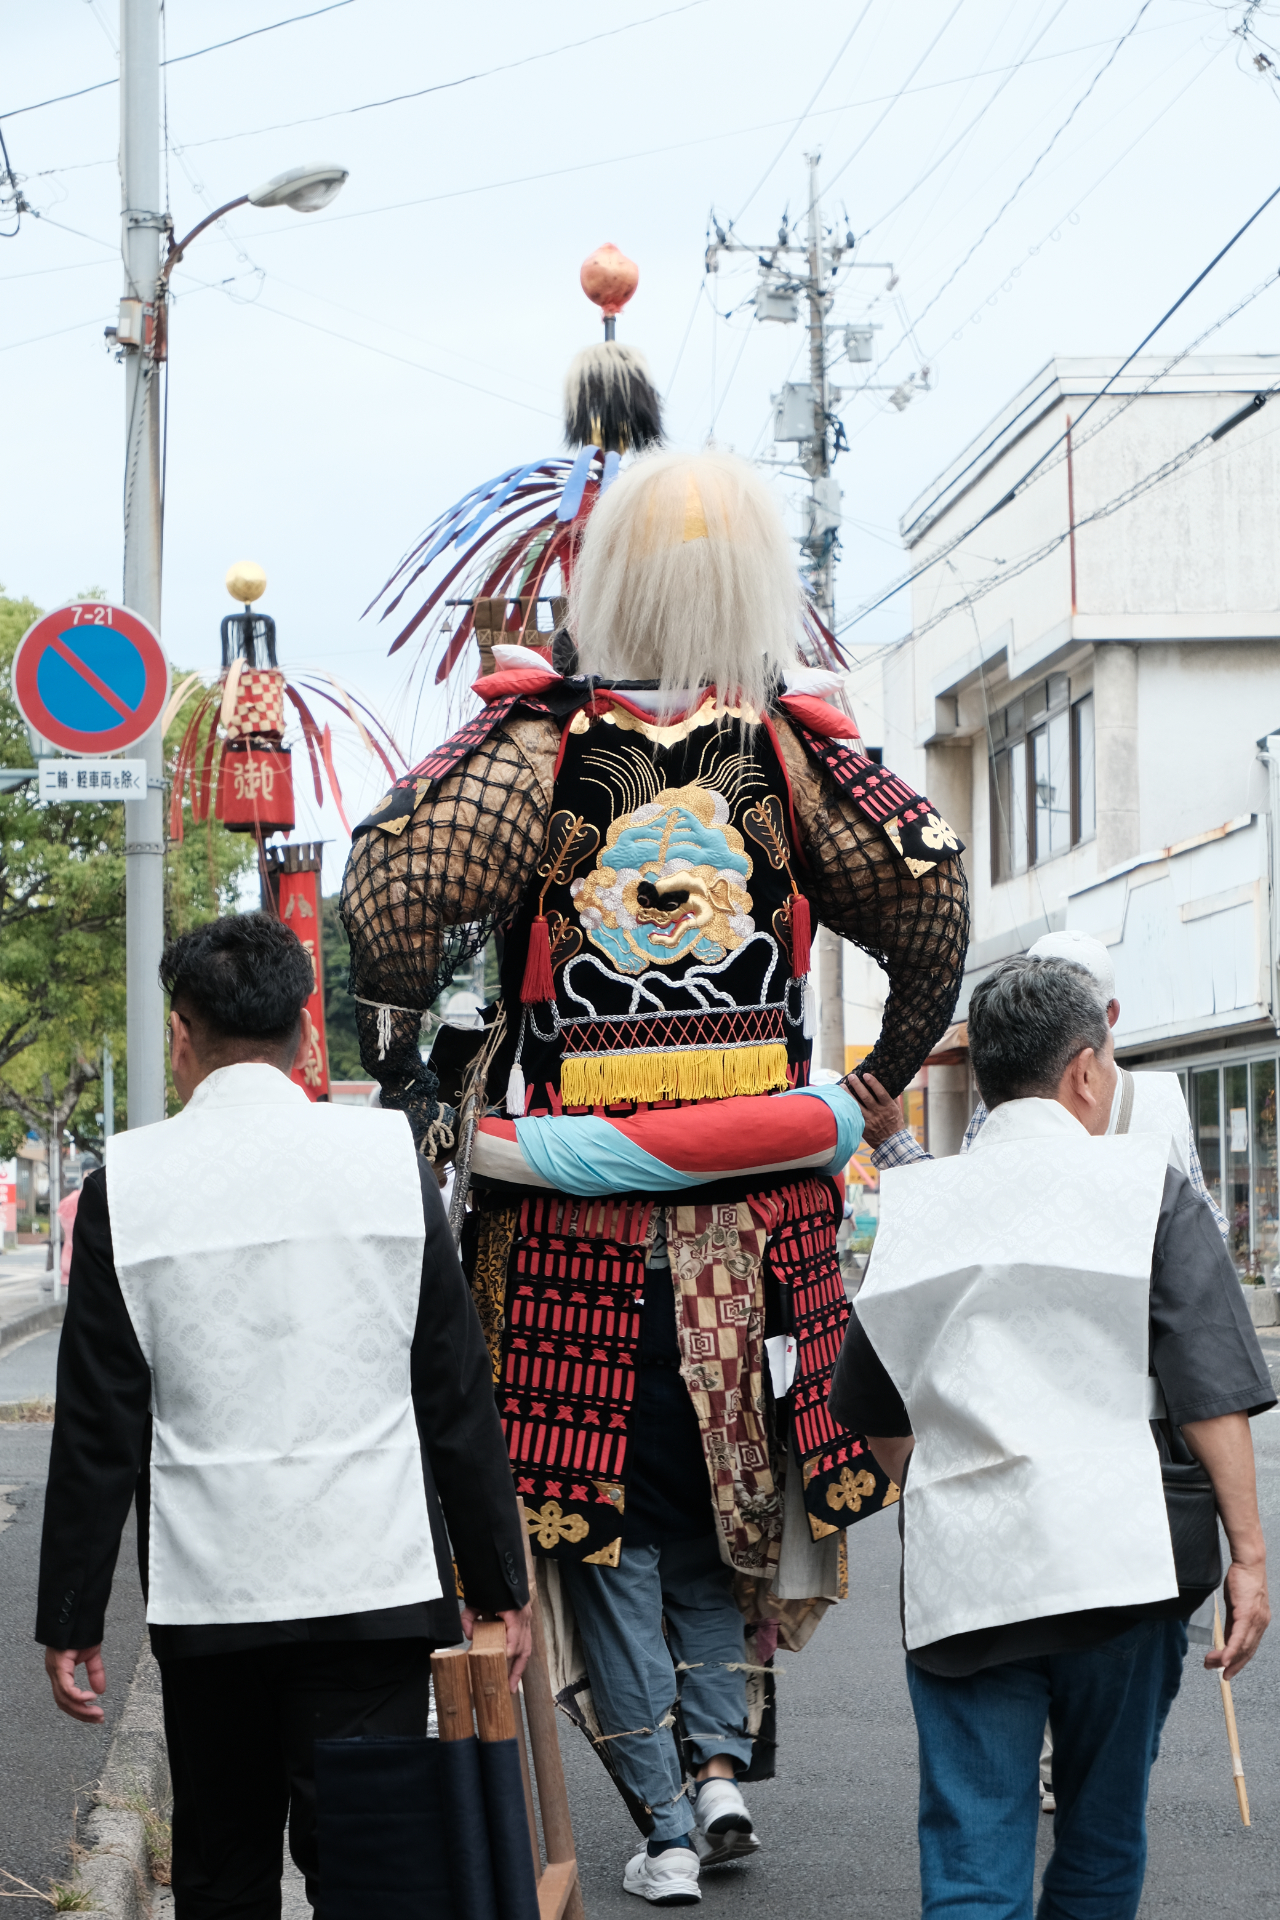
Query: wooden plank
x=555, y=1889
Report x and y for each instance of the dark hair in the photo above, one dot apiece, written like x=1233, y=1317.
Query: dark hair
x=1027, y=1021
x=245, y=977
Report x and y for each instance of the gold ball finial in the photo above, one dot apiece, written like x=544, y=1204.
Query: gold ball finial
x=246, y=581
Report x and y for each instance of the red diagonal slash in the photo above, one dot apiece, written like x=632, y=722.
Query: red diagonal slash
x=87, y=673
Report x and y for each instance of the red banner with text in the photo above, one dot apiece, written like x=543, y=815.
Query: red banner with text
x=300, y=911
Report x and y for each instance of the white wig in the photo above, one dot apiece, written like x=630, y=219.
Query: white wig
x=686, y=576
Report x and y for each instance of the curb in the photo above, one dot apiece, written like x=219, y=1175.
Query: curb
x=114, y=1870
x=35, y=1320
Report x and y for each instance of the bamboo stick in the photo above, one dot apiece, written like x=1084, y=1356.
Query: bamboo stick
x=1229, y=1714
x=553, y=1797
x=453, y=1695
x=495, y=1709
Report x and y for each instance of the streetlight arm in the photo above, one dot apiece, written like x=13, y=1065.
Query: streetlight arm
x=178, y=247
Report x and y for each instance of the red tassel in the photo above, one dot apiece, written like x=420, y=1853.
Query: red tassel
x=801, y=937
x=538, y=983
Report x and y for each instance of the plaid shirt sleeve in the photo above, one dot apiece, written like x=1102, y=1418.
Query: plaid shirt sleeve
x=1197, y=1181
x=977, y=1120
x=901, y=1149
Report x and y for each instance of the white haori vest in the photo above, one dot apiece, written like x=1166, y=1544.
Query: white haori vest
x=1008, y=1299
x=270, y=1256
x=1158, y=1107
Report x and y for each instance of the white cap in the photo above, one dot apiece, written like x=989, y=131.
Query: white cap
x=1084, y=950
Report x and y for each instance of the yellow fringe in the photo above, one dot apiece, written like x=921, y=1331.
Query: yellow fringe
x=713, y=1073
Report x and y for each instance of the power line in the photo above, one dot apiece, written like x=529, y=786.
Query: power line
x=981, y=114
x=844, y=47
x=385, y=353
x=419, y=93
x=759, y=126
x=1043, y=154
x=56, y=99
x=1051, y=232
x=1156, y=478
x=1037, y=464
x=894, y=98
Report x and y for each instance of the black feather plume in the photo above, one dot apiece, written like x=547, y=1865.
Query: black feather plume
x=610, y=400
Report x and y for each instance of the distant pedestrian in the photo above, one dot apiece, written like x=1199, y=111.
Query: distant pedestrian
x=268, y=1335
x=1057, y=1529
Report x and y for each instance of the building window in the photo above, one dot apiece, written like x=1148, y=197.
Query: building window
x=1084, y=790
x=1042, y=777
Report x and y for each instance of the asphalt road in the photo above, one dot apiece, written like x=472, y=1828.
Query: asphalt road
x=837, y=1826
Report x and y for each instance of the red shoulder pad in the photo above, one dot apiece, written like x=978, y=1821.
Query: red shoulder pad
x=493, y=687
x=820, y=717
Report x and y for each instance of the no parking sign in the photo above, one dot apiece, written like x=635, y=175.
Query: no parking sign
x=91, y=678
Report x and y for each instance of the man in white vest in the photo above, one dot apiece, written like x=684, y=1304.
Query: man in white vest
x=1049, y=1338
x=269, y=1339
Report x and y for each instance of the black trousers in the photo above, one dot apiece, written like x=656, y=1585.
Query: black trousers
x=240, y=1728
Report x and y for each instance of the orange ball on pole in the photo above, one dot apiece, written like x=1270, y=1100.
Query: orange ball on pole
x=609, y=278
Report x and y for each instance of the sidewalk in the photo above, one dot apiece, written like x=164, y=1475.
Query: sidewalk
x=27, y=1298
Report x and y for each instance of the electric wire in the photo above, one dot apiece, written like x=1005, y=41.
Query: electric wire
x=1012, y=569
x=981, y=115
x=844, y=47
x=78, y=93
x=385, y=353
x=1043, y=154
x=730, y=133
x=893, y=100
x=1040, y=462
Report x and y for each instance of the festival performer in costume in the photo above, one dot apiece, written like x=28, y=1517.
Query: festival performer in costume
x=1051, y=1353
x=268, y=1337
x=1143, y=1101
x=653, y=832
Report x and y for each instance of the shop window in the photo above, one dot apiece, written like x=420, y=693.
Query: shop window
x=1233, y=1117
x=1262, y=1100
x=1042, y=777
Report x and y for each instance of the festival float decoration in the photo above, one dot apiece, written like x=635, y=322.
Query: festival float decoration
x=233, y=762
x=495, y=552
x=244, y=715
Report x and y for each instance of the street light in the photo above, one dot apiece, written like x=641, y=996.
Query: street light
x=142, y=335
x=305, y=189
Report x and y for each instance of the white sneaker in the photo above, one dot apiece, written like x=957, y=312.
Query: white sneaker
x=1048, y=1801
x=669, y=1881
x=725, y=1830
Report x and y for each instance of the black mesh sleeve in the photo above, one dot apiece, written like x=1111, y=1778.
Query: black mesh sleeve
x=419, y=903
x=915, y=926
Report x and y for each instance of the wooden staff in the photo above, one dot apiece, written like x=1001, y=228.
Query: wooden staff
x=1229, y=1713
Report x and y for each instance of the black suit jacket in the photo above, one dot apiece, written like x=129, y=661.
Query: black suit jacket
x=102, y=1445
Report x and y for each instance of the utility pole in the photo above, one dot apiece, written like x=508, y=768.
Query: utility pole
x=142, y=223
x=821, y=545
x=804, y=414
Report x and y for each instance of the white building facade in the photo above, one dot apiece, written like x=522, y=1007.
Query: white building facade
x=1087, y=694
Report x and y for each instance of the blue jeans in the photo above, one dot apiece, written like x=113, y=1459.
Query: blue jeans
x=979, y=1796
x=620, y=1611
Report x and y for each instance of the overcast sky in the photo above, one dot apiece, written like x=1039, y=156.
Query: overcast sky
x=338, y=379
